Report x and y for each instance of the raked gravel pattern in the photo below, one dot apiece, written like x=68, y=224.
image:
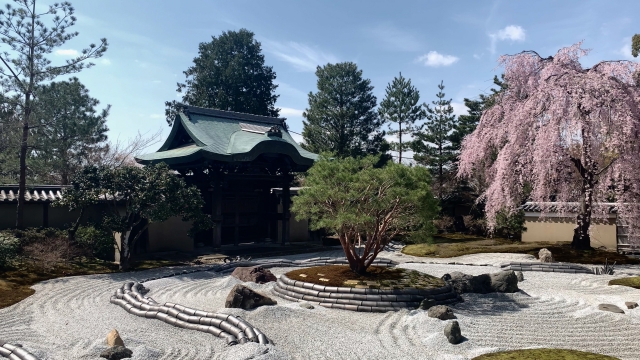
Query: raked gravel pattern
x=69, y=318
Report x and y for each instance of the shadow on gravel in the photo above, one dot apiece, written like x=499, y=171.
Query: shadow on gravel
x=492, y=304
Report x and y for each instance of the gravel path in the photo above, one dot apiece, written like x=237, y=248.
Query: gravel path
x=69, y=318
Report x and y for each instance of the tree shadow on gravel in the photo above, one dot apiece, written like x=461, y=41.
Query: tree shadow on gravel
x=493, y=304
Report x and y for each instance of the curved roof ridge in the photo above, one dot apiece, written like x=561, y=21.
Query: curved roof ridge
x=232, y=114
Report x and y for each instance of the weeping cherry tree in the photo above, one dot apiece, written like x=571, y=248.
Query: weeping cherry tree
x=570, y=133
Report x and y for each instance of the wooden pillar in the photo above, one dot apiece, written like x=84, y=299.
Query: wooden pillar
x=286, y=213
x=216, y=212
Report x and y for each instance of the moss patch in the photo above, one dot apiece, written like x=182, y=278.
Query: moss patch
x=544, y=354
x=15, y=284
x=377, y=277
x=457, y=245
x=633, y=282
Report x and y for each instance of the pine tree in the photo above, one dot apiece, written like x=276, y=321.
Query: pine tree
x=433, y=145
x=25, y=64
x=467, y=123
x=341, y=117
x=229, y=74
x=71, y=130
x=400, y=106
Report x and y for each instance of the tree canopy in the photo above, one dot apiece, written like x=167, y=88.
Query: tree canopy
x=229, y=74
x=374, y=205
x=27, y=41
x=135, y=197
x=570, y=134
x=341, y=117
x=400, y=108
x=71, y=130
x=432, y=145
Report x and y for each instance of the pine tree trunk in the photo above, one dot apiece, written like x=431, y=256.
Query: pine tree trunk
x=399, y=143
x=22, y=185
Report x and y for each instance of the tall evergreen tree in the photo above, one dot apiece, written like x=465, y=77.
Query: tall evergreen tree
x=71, y=130
x=467, y=123
x=400, y=106
x=229, y=74
x=432, y=145
x=27, y=42
x=341, y=117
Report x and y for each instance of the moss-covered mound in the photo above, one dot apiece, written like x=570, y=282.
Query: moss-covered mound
x=544, y=354
x=633, y=282
x=376, y=278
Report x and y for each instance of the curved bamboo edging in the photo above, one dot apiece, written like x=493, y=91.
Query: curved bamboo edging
x=231, y=328
x=13, y=352
x=364, y=300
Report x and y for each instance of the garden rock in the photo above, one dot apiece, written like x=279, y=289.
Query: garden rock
x=306, y=305
x=611, y=308
x=504, y=282
x=631, y=304
x=116, y=353
x=545, y=256
x=441, y=312
x=427, y=304
x=463, y=283
x=244, y=298
x=256, y=274
x=520, y=276
x=452, y=332
x=114, y=339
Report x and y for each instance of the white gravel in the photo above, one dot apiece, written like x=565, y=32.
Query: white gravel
x=69, y=318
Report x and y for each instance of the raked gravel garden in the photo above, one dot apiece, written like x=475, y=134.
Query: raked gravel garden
x=68, y=318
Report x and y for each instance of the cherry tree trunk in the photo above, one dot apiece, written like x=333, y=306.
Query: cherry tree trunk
x=581, y=237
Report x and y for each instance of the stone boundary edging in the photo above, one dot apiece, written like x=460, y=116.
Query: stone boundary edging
x=363, y=300
x=547, y=267
x=14, y=352
x=231, y=328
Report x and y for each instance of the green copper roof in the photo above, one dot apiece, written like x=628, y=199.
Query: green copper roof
x=200, y=134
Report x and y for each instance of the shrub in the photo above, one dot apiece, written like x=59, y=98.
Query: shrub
x=46, y=254
x=9, y=247
x=443, y=224
x=475, y=226
x=97, y=241
x=510, y=226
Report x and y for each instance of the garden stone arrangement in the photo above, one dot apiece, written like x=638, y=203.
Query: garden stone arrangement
x=14, y=352
x=362, y=299
x=233, y=329
x=547, y=267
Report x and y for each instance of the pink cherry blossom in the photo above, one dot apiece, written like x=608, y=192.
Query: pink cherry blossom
x=571, y=133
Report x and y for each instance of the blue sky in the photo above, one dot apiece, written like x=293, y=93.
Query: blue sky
x=152, y=42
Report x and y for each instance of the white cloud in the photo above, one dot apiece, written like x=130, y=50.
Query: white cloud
x=394, y=38
x=459, y=108
x=625, y=50
x=435, y=59
x=67, y=52
x=285, y=111
x=511, y=32
x=301, y=56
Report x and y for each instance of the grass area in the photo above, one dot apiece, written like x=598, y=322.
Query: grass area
x=376, y=277
x=633, y=282
x=15, y=284
x=452, y=245
x=544, y=354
